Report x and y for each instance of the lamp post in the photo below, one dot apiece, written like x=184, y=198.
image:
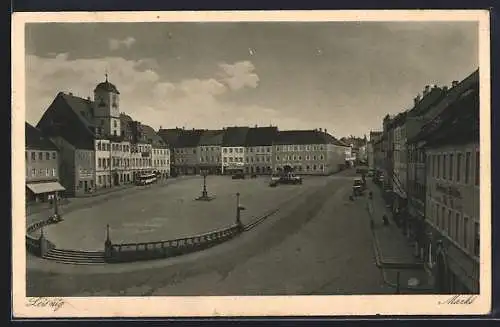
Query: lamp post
x=204, y=192
x=239, y=208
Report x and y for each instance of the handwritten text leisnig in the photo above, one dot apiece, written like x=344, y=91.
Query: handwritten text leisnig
x=46, y=302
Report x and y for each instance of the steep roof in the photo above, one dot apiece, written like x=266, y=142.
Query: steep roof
x=170, y=136
x=257, y=136
x=467, y=90
x=67, y=117
x=235, y=136
x=151, y=135
x=306, y=137
x=458, y=124
x=35, y=139
x=211, y=137
x=189, y=138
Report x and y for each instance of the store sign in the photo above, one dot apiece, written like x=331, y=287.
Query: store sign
x=448, y=190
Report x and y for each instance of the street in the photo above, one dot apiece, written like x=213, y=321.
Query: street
x=319, y=244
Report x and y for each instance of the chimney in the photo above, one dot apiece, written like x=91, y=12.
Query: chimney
x=255, y=125
x=88, y=98
x=70, y=93
x=426, y=90
x=326, y=131
x=454, y=83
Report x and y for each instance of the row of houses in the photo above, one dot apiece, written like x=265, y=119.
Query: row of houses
x=92, y=145
x=429, y=157
x=254, y=150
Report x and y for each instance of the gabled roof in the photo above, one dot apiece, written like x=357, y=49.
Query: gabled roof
x=35, y=139
x=257, y=136
x=235, y=136
x=66, y=117
x=211, y=137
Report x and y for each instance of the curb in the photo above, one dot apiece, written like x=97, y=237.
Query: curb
x=385, y=265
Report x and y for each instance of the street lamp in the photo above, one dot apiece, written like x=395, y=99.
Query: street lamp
x=204, y=194
x=239, y=208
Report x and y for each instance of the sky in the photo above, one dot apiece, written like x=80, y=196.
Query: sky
x=340, y=76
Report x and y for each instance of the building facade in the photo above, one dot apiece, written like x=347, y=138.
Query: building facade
x=209, y=150
x=42, y=166
x=123, y=149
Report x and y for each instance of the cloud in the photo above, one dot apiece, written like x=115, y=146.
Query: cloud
x=115, y=44
x=239, y=75
x=145, y=95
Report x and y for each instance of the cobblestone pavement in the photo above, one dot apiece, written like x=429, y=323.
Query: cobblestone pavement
x=320, y=244
x=171, y=212
x=41, y=211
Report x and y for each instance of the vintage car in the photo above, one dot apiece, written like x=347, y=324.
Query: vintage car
x=287, y=178
x=358, y=186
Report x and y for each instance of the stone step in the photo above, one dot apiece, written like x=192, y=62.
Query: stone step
x=75, y=257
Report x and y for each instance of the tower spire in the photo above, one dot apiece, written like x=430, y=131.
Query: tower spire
x=106, y=74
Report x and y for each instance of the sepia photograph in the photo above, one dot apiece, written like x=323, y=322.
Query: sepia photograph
x=237, y=163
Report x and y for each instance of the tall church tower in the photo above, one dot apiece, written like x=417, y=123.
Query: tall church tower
x=107, y=108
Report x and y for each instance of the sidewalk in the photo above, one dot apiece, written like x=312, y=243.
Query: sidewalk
x=393, y=250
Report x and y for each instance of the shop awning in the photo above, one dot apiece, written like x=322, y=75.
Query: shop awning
x=40, y=188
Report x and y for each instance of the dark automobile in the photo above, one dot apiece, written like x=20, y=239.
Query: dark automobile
x=253, y=176
x=358, y=186
x=238, y=176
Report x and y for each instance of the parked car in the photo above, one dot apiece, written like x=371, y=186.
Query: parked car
x=358, y=186
x=370, y=173
x=253, y=176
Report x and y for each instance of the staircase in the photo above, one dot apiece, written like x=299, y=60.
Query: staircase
x=76, y=257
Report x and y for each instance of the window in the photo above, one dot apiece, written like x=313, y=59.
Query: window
x=33, y=156
x=449, y=227
x=438, y=220
x=230, y=150
x=458, y=168
x=438, y=166
x=457, y=227
x=224, y=150
x=277, y=158
x=450, y=168
x=445, y=160
x=54, y=172
x=465, y=234
x=99, y=179
x=40, y=156
x=443, y=227
x=476, y=239
x=47, y=155
x=467, y=167
x=478, y=166
x=114, y=124
x=54, y=155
